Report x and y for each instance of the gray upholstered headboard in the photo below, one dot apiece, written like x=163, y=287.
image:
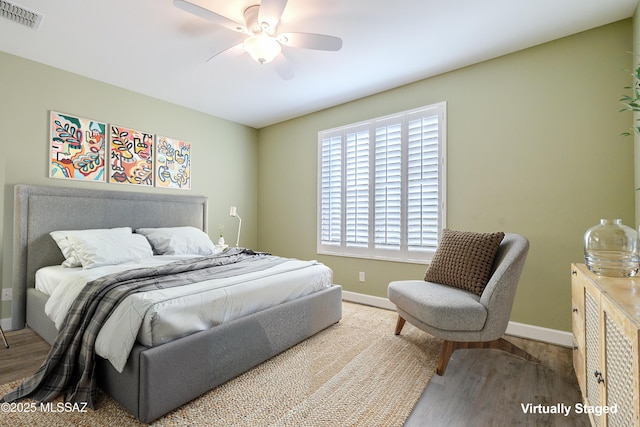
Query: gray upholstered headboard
x=39, y=210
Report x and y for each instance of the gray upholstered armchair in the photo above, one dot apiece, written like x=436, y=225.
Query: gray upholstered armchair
x=465, y=319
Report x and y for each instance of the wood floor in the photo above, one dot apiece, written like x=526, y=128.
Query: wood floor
x=489, y=388
x=23, y=357
x=479, y=387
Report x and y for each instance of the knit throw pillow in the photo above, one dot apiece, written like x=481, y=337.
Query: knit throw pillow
x=464, y=259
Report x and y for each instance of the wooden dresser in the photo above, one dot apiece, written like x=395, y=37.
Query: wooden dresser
x=606, y=328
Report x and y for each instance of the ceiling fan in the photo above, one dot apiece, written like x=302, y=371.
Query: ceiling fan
x=262, y=40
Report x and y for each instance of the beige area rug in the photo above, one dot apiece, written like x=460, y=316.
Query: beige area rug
x=354, y=373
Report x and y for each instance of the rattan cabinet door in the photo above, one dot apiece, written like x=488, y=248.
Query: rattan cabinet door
x=585, y=299
x=578, y=326
x=593, y=367
x=620, y=350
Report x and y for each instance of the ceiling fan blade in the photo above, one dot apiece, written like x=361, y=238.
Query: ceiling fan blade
x=209, y=15
x=311, y=41
x=236, y=49
x=282, y=67
x=271, y=12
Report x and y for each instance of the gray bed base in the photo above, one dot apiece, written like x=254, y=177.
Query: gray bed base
x=159, y=379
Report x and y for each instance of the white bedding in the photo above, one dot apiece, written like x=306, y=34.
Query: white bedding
x=160, y=316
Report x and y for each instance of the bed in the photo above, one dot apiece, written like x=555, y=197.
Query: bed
x=158, y=379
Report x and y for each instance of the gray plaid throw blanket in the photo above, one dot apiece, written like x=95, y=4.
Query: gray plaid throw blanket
x=69, y=366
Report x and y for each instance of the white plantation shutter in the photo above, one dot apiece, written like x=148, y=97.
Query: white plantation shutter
x=331, y=191
x=388, y=186
x=357, y=189
x=423, y=199
x=381, y=186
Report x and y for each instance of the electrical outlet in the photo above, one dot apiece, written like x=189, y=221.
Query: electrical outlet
x=361, y=276
x=7, y=294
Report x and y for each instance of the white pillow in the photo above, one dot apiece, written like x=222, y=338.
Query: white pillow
x=95, y=248
x=178, y=241
x=61, y=239
x=109, y=248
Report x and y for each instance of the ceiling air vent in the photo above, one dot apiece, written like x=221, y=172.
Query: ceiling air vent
x=20, y=15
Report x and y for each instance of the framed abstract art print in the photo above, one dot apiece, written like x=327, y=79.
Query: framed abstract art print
x=77, y=147
x=173, y=163
x=130, y=156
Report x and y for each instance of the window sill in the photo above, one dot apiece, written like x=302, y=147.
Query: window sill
x=423, y=261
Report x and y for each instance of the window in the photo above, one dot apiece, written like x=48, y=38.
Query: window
x=381, y=186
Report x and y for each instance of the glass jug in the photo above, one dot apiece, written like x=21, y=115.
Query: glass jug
x=611, y=249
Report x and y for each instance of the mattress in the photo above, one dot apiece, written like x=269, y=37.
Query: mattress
x=156, y=317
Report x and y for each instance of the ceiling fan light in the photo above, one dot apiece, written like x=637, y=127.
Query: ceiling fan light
x=262, y=48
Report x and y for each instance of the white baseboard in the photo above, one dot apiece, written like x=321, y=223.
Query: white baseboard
x=537, y=333
x=368, y=300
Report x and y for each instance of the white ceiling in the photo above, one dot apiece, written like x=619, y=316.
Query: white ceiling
x=154, y=48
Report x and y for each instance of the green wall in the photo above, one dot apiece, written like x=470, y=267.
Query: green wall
x=635, y=62
x=224, y=164
x=534, y=147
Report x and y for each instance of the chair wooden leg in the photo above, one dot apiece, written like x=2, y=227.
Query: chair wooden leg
x=448, y=347
x=399, y=325
x=6, y=344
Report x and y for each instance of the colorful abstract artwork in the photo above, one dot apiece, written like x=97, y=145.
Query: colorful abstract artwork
x=130, y=156
x=77, y=148
x=173, y=163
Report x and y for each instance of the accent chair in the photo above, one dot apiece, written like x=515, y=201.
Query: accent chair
x=462, y=318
